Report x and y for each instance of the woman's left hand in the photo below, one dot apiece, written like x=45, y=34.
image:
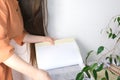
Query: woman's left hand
x=48, y=39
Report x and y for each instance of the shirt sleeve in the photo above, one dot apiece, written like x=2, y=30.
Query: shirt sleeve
x=6, y=50
x=19, y=38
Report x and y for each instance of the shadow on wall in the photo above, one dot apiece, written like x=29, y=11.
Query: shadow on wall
x=83, y=50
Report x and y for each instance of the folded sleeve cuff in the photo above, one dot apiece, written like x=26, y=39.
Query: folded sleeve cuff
x=19, y=38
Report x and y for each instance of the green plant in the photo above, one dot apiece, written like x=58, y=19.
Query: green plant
x=107, y=56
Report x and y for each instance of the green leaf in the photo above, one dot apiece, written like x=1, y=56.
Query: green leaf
x=88, y=74
x=100, y=49
x=103, y=78
x=118, y=78
x=119, y=24
x=114, y=36
x=118, y=58
x=99, y=68
x=115, y=19
x=110, y=30
x=80, y=76
x=94, y=66
x=115, y=60
x=95, y=74
x=110, y=35
x=106, y=75
x=107, y=32
x=86, y=68
x=107, y=58
x=118, y=19
x=110, y=59
x=89, y=53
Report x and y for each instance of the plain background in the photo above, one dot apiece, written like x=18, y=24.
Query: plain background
x=82, y=20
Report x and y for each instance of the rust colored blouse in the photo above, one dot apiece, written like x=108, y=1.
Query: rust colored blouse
x=11, y=27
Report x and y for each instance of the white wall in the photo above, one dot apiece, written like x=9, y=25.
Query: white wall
x=81, y=19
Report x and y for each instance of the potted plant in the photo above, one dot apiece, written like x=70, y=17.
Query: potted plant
x=107, y=59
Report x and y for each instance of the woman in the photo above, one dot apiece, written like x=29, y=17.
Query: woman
x=11, y=27
x=34, y=14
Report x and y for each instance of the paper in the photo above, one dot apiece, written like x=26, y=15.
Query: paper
x=65, y=52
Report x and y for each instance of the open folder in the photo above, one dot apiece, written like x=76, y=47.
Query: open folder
x=61, y=57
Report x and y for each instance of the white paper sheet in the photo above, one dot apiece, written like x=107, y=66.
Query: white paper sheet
x=65, y=52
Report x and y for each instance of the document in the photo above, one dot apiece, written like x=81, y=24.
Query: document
x=65, y=52
x=62, y=60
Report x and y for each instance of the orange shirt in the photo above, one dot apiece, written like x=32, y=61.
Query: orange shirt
x=11, y=27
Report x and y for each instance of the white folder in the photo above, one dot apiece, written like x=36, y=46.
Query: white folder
x=64, y=52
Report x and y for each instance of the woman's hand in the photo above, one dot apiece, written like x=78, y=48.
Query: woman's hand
x=48, y=39
x=42, y=75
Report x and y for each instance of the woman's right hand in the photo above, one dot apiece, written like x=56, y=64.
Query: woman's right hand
x=42, y=75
